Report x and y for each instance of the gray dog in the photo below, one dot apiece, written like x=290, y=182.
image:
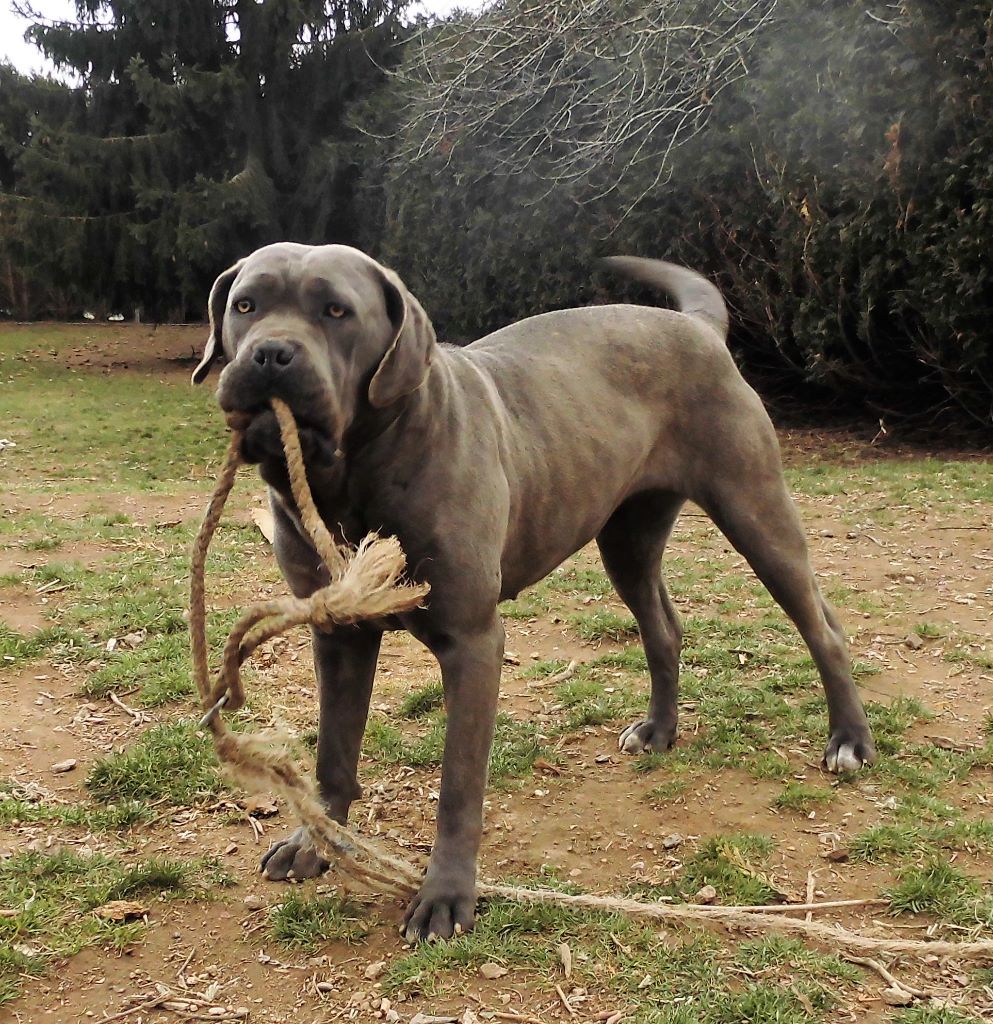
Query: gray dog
x=492, y=464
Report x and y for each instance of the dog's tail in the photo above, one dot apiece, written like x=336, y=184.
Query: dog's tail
x=693, y=293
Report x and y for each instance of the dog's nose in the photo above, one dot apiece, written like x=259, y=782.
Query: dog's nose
x=274, y=356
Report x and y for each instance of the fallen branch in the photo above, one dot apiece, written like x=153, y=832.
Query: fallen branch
x=520, y=1018
x=875, y=965
x=564, y=999
x=556, y=677
x=137, y=716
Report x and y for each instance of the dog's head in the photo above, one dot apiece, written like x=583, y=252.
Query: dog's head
x=325, y=328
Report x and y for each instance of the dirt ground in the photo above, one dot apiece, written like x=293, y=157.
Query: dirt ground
x=585, y=814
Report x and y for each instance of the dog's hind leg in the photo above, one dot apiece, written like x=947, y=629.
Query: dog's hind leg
x=631, y=545
x=753, y=509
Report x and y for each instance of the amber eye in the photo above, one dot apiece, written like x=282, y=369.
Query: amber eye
x=244, y=305
x=333, y=309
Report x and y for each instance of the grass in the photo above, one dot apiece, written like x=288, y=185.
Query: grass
x=750, y=701
x=594, y=627
x=307, y=923
x=17, y=809
x=138, y=592
x=690, y=979
x=54, y=896
x=935, y=1015
x=107, y=427
x=17, y=648
x=590, y=701
x=799, y=797
x=905, y=839
x=515, y=745
x=169, y=762
x=423, y=701
x=530, y=604
x=939, y=889
x=735, y=865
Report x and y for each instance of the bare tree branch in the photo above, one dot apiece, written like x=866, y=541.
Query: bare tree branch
x=578, y=92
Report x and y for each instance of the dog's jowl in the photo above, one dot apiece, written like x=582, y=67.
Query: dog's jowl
x=492, y=464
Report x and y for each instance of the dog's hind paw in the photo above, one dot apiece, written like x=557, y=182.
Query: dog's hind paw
x=848, y=755
x=646, y=736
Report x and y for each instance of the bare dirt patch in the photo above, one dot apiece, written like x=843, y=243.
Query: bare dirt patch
x=141, y=348
x=913, y=585
x=588, y=819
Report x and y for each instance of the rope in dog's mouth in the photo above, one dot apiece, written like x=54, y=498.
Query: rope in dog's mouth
x=366, y=583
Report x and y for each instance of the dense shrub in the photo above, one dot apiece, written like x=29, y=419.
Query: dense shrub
x=840, y=192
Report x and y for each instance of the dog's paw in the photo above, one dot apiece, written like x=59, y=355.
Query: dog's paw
x=640, y=737
x=293, y=859
x=848, y=751
x=441, y=910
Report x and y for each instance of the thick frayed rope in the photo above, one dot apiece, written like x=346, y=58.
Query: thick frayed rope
x=366, y=583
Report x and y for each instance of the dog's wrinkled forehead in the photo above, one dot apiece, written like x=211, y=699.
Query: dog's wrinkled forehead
x=303, y=273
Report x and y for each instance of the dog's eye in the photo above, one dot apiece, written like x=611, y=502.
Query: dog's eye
x=333, y=309
x=244, y=306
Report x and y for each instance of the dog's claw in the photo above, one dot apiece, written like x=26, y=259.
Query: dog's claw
x=641, y=736
x=293, y=859
x=630, y=742
x=437, y=913
x=844, y=759
x=848, y=750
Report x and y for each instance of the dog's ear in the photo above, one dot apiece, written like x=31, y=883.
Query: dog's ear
x=405, y=364
x=215, y=310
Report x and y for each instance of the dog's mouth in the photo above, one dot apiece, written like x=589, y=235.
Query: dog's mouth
x=242, y=419
x=262, y=440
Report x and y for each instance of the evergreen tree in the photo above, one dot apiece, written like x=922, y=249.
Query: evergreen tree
x=200, y=129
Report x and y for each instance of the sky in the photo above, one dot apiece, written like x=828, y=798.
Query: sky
x=26, y=58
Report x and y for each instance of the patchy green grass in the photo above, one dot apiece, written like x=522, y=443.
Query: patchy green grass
x=802, y=798
x=515, y=745
x=935, y=1015
x=529, y=604
x=582, y=582
x=735, y=865
x=19, y=807
x=423, y=701
x=137, y=598
x=107, y=428
x=309, y=922
x=939, y=889
x=914, y=483
x=170, y=762
x=688, y=980
x=594, y=627
x=54, y=897
x=905, y=839
x=16, y=647
x=592, y=701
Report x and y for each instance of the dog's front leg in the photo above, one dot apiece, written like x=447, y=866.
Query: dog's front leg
x=345, y=662
x=470, y=672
